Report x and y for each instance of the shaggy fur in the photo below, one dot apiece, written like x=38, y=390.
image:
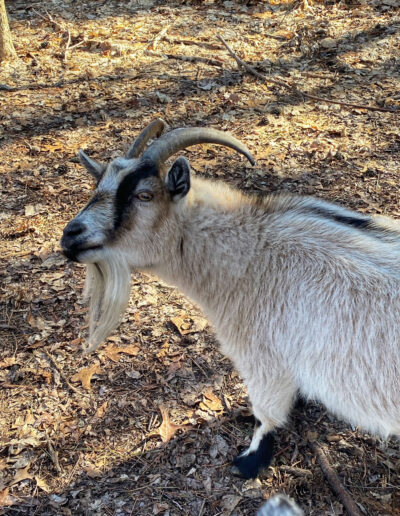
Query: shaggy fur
x=304, y=295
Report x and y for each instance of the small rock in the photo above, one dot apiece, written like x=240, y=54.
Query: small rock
x=328, y=43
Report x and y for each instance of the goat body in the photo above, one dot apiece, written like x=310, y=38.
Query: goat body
x=303, y=294
x=299, y=302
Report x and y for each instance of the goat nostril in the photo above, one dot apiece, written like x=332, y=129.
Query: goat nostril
x=74, y=228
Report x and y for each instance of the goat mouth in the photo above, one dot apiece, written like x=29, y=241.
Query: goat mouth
x=73, y=253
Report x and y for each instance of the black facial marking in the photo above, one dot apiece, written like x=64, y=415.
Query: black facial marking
x=252, y=464
x=127, y=188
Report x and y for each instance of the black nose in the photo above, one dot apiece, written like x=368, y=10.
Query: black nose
x=74, y=229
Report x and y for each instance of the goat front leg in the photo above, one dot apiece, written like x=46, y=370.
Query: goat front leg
x=272, y=401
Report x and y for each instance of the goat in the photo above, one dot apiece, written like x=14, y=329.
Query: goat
x=303, y=294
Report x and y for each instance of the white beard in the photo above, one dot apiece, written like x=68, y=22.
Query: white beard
x=107, y=289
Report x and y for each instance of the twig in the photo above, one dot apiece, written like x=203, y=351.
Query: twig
x=68, y=481
x=49, y=18
x=53, y=454
x=294, y=89
x=63, y=28
x=196, y=59
x=7, y=87
x=8, y=327
x=298, y=472
x=159, y=37
x=72, y=47
x=249, y=68
x=62, y=375
x=278, y=38
x=67, y=45
x=334, y=481
x=201, y=511
x=204, y=44
x=192, y=59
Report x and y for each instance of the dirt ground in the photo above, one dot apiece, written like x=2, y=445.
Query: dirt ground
x=149, y=424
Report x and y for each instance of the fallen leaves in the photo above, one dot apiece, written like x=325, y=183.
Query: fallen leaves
x=5, y=499
x=186, y=324
x=211, y=402
x=22, y=474
x=44, y=486
x=112, y=351
x=8, y=362
x=86, y=374
x=167, y=429
x=100, y=412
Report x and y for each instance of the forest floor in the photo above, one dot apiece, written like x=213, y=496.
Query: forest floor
x=150, y=423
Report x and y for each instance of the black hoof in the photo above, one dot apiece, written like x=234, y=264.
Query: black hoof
x=252, y=464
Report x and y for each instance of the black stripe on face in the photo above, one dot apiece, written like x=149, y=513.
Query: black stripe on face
x=127, y=187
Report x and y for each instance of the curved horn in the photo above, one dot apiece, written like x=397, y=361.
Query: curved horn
x=179, y=139
x=153, y=130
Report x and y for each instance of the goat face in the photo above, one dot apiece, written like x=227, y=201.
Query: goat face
x=133, y=195
x=129, y=209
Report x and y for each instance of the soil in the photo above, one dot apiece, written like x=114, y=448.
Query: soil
x=149, y=424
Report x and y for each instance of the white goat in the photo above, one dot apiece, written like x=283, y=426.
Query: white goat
x=304, y=295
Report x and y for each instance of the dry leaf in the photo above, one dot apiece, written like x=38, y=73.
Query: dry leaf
x=22, y=474
x=173, y=367
x=211, y=401
x=263, y=15
x=8, y=362
x=188, y=324
x=42, y=484
x=101, y=410
x=164, y=350
x=5, y=499
x=113, y=351
x=31, y=210
x=85, y=375
x=160, y=507
x=166, y=430
x=36, y=322
x=53, y=147
x=77, y=342
x=29, y=419
x=92, y=471
x=229, y=502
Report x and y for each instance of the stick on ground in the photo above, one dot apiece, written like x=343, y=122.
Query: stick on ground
x=334, y=481
x=294, y=89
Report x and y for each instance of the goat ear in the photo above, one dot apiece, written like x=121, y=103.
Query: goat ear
x=177, y=179
x=94, y=168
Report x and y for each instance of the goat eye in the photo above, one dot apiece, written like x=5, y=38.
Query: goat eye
x=144, y=196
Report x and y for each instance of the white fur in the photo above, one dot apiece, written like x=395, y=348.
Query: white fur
x=300, y=302
x=280, y=505
x=107, y=289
